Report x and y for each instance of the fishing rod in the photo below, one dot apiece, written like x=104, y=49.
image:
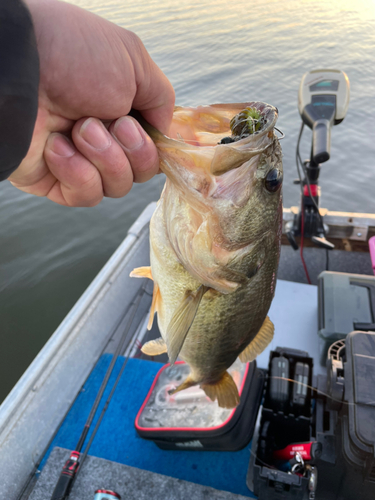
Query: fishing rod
x=112, y=332
x=93, y=434
x=70, y=469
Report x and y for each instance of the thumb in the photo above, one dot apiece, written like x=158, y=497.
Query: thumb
x=155, y=96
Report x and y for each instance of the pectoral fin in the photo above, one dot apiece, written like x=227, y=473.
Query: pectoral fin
x=225, y=391
x=141, y=272
x=259, y=343
x=154, y=347
x=182, y=320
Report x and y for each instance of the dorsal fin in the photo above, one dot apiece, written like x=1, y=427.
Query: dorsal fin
x=182, y=320
x=259, y=342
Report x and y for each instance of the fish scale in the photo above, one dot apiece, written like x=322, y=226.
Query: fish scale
x=215, y=243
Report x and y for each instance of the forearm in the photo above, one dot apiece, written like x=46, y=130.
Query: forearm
x=19, y=80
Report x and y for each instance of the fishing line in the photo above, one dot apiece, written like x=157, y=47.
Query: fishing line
x=280, y=132
x=262, y=461
x=314, y=389
x=194, y=142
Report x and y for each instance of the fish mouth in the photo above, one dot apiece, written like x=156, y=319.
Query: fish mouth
x=193, y=156
x=207, y=126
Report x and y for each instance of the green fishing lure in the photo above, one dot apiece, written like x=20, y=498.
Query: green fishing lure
x=247, y=122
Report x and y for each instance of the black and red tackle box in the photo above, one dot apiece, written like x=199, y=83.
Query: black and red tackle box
x=189, y=420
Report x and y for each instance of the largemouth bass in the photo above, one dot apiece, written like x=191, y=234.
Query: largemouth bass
x=215, y=241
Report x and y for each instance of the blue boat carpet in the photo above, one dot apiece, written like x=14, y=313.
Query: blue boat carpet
x=118, y=441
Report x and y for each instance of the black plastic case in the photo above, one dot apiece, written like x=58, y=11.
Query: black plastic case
x=345, y=420
x=235, y=428
x=285, y=419
x=346, y=302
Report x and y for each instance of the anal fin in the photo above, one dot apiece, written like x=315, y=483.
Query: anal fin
x=259, y=342
x=189, y=382
x=142, y=272
x=154, y=347
x=182, y=320
x=225, y=391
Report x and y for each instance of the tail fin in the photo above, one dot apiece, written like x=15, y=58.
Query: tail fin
x=225, y=391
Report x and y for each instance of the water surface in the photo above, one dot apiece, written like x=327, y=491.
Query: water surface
x=218, y=51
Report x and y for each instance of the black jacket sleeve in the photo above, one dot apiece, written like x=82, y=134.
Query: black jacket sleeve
x=19, y=80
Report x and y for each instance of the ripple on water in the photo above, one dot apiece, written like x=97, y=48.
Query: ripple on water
x=211, y=51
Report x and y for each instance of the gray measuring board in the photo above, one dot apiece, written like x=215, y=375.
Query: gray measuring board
x=294, y=312
x=131, y=483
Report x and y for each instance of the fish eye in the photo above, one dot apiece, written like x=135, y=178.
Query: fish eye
x=273, y=180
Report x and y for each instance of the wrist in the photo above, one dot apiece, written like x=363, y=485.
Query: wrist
x=19, y=81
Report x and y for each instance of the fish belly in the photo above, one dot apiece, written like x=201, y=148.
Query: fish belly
x=225, y=323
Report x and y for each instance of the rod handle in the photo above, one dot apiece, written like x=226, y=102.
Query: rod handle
x=65, y=481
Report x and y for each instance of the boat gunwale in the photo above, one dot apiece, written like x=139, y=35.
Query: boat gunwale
x=29, y=389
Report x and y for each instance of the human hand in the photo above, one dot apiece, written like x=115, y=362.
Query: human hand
x=91, y=72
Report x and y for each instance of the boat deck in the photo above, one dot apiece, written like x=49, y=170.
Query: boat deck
x=117, y=443
x=35, y=411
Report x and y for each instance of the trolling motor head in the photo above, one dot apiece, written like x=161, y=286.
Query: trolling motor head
x=323, y=101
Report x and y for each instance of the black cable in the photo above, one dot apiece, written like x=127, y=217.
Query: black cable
x=298, y=163
x=312, y=199
x=318, y=212
x=299, y=157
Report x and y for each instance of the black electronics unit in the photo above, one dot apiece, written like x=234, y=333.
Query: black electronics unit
x=286, y=418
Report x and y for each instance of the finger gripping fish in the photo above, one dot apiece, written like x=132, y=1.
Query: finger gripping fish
x=215, y=241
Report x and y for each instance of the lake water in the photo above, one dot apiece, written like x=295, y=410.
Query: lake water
x=219, y=51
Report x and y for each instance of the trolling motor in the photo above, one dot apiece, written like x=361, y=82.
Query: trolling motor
x=323, y=101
